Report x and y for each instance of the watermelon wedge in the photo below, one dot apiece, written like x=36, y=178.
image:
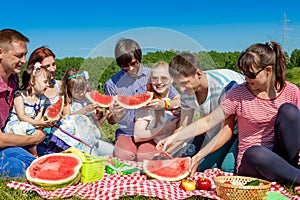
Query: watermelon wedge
x=135, y=101
x=54, y=171
x=101, y=99
x=53, y=112
x=169, y=170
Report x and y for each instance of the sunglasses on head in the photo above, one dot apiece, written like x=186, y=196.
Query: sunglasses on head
x=252, y=75
x=132, y=64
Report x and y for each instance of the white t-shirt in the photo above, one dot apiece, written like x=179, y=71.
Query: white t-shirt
x=149, y=115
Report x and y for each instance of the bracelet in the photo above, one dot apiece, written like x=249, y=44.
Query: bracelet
x=167, y=104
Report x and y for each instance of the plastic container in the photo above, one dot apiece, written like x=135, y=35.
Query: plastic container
x=93, y=169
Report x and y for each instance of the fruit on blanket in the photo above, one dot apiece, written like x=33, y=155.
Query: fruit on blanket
x=203, y=184
x=54, y=171
x=187, y=185
x=53, y=112
x=135, y=101
x=77, y=152
x=101, y=100
x=170, y=170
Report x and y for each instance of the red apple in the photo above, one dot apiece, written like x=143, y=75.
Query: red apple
x=203, y=184
x=188, y=185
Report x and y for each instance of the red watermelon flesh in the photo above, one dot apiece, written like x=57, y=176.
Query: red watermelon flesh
x=54, y=171
x=53, y=112
x=134, y=101
x=54, y=168
x=101, y=99
x=171, y=170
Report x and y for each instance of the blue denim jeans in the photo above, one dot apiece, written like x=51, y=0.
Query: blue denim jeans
x=14, y=161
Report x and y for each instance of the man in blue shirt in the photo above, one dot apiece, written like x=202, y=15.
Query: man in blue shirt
x=131, y=80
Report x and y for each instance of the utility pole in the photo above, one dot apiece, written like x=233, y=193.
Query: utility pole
x=285, y=38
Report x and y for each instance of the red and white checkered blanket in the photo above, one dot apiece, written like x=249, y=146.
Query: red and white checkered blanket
x=116, y=186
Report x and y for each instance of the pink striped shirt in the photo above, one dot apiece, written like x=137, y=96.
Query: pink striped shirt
x=256, y=116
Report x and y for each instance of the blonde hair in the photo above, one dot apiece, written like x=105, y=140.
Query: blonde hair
x=73, y=80
x=159, y=114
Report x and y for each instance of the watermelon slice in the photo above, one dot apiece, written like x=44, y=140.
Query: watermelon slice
x=101, y=99
x=169, y=170
x=54, y=171
x=53, y=112
x=135, y=101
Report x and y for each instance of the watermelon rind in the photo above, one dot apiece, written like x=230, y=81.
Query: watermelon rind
x=100, y=104
x=54, y=184
x=126, y=103
x=58, y=110
x=170, y=179
x=57, y=186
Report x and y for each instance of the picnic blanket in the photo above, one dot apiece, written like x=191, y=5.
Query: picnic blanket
x=116, y=186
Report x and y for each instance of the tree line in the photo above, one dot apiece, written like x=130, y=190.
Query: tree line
x=102, y=68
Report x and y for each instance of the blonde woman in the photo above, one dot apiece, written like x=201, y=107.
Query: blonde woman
x=157, y=120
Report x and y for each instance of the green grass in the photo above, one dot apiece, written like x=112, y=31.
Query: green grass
x=293, y=75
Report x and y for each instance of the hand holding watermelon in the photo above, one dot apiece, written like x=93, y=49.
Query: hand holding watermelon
x=118, y=111
x=156, y=104
x=195, y=163
x=45, y=122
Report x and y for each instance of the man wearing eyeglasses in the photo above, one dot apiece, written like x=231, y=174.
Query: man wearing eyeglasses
x=131, y=80
x=14, y=159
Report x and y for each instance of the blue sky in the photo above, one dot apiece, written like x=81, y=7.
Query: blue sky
x=91, y=28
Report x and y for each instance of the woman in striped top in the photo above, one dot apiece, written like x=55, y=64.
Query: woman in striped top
x=267, y=111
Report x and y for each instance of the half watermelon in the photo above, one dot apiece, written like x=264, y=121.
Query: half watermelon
x=53, y=112
x=102, y=100
x=134, y=101
x=54, y=171
x=169, y=170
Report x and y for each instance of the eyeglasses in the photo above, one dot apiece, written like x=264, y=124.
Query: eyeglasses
x=132, y=64
x=163, y=79
x=252, y=75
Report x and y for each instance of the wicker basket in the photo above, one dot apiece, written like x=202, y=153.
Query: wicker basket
x=92, y=169
x=237, y=190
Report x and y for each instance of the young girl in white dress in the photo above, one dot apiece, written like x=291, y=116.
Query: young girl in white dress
x=80, y=125
x=26, y=114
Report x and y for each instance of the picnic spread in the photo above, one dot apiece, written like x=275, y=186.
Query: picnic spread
x=132, y=181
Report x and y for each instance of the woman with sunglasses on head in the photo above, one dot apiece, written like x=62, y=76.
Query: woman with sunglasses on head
x=159, y=118
x=132, y=79
x=267, y=111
